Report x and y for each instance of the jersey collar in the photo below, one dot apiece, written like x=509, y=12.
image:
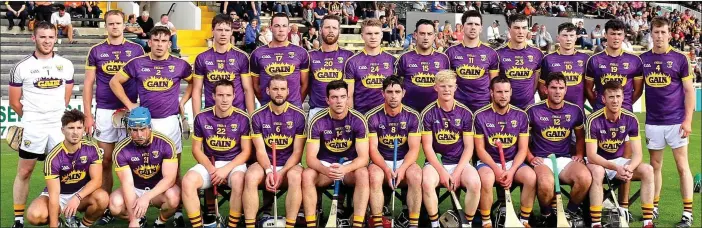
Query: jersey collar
x=492, y=106
x=229, y=48
x=229, y=112
x=621, y=51
x=666, y=50
x=168, y=55
x=430, y=53
x=285, y=109
x=479, y=43
x=35, y=54
x=107, y=41
x=509, y=45
x=619, y=115
x=385, y=109
x=558, y=51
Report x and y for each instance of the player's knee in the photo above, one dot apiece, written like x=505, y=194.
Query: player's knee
x=376, y=176
x=429, y=183
x=107, y=163
x=487, y=178
x=657, y=164
x=597, y=173
x=584, y=177
x=189, y=181
x=308, y=176
x=37, y=217
x=102, y=199
x=24, y=172
x=646, y=171
x=236, y=182
x=544, y=180
x=473, y=185
x=116, y=204
x=294, y=177
x=413, y=178
x=253, y=178
x=361, y=176
x=173, y=197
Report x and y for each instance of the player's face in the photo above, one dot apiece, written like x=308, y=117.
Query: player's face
x=501, y=94
x=330, y=31
x=472, y=28
x=567, y=39
x=393, y=95
x=518, y=31
x=160, y=45
x=280, y=29
x=140, y=136
x=445, y=89
x=337, y=100
x=223, y=97
x=73, y=132
x=614, y=38
x=425, y=36
x=222, y=33
x=44, y=40
x=371, y=36
x=556, y=91
x=278, y=91
x=660, y=36
x=114, y=25
x=613, y=99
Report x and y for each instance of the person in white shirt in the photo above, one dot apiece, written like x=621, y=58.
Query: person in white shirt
x=493, y=32
x=174, y=38
x=62, y=21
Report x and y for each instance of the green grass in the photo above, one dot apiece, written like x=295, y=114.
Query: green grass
x=670, y=204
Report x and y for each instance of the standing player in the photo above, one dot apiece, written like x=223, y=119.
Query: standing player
x=474, y=62
x=520, y=62
x=551, y=122
x=386, y=123
x=222, y=132
x=73, y=177
x=282, y=124
x=281, y=58
x=605, y=134
x=146, y=165
x=222, y=62
x=104, y=60
x=334, y=133
x=327, y=64
x=505, y=122
x=368, y=68
x=40, y=88
x=447, y=129
x=569, y=62
x=418, y=67
x=670, y=102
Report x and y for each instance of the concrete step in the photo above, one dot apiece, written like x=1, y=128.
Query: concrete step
x=77, y=89
x=81, y=30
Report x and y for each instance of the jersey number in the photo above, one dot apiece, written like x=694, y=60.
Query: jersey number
x=328, y=63
x=277, y=128
x=519, y=62
x=569, y=67
x=278, y=57
x=425, y=67
x=658, y=67
x=374, y=68
x=556, y=122
x=614, y=69
x=158, y=72
x=614, y=134
x=220, y=131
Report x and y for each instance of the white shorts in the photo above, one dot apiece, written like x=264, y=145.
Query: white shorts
x=40, y=136
x=508, y=164
x=561, y=162
x=610, y=174
x=104, y=130
x=169, y=126
x=63, y=198
x=449, y=168
x=327, y=164
x=206, y=181
x=658, y=136
x=313, y=111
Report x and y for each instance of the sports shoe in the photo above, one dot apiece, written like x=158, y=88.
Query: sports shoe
x=143, y=223
x=544, y=221
x=575, y=218
x=18, y=224
x=71, y=222
x=106, y=218
x=161, y=225
x=210, y=225
x=685, y=222
x=597, y=226
x=655, y=213
x=649, y=225
x=489, y=225
x=627, y=214
x=179, y=222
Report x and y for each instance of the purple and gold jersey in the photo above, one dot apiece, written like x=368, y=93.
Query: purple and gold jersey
x=107, y=60
x=665, y=97
x=573, y=68
x=610, y=136
x=625, y=68
x=144, y=162
x=158, y=82
x=288, y=61
x=490, y=125
x=388, y=128
x=72, y=169
x=368, y=72
x=550, y=129
x=280, y=129
x=519, y=65
x=337, y=137
x=324, y=68
x=213, y=66
x=473, y=67
x=419, y=73
x=221, y=137
x=447, y=129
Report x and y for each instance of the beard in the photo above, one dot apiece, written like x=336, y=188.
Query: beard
x=330, y=40
x=282, y=102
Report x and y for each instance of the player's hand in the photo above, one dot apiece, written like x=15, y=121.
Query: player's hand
x=140, y=207
x=622, y=173
x=71, y=207
x=273, y=181
x=88, y=124
x=685, y=129
x=500, y=176
x=578, y=158
x=134, y=222
x=536, y=161
x=508, y=178
x=389, y=175
x=455, y=180
x=334, y=173
x=219, y=176
x=132, y=106
x=445, y=179
x=399, y=176
x=629, y=171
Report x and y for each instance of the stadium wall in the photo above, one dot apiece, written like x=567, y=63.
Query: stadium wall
x=185, y=15
x=129, y=8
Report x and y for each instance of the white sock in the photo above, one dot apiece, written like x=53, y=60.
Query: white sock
x=178, y=214
x=523, y=221
x=596, y=224
x=687, y=214
x=647, y=221
x=485, y=223
x=21, y=219
x=159, y=222
x=435, y=224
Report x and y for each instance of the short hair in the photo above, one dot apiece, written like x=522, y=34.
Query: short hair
x=471, y=13
x=615, y=25
x=516, y=17
x=131, y=16
x=71, y=116
x=337, y=84
x=112, y=13
x=281, y=14
x=612, y=85
x=163, y=15
x=424, y=22
x=382, y=17
x=660, y=22
x=393, y=80
x=567, y=26
x=370, y=23
x=61, y=7
x=445, y=75
x=160, y=30
x=43, y=25
x=277, y=77
x=222, y=82
x=498, y=79
x=331, y=17
x=145, y=13
x=221, y=19
x=555, y=76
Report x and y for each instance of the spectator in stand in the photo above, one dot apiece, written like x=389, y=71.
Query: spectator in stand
x=379, y=12
x=294, y=36
x=457, y=35
x=133, y=27
x=43, y=11
x=75, y=9
x=493, y=33
x=544, y=39
x=237, y=27
x=92, y=11
x=308, y=18
x=533, y=31
x=436, y=26
x=62, y=21
x=597, y=35
x=349, y=13
x=528, y=9
x=16, y=10
x=174, y=37
x=335, y=8
x=146, y=23
x=387, y=30
x=283, y=5
x=420, y=6
x=677, y=42
x=310, y=39
x=626, y=45
x=250, y=35
x=639, y=27
x=439, y=7
x=264, y=37
x=319, y=13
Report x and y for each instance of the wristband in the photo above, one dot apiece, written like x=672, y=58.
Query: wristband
x=79, y=198
x=268, y=171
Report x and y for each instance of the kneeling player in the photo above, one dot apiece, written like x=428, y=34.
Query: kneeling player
x=386, y=123
x=605, y=133
x=73, y=173
x=221, y=134
x=145, y=164
x=282, y=124
x=448, y=129
x=509, y=124
x=552, y=122
x=334, y=133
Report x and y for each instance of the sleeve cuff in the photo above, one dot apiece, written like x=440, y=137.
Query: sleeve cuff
x=300, y=136
x=123, y=73
x=312, y=140
x=69, y=81
x=196, y=138
x=689, y=77
x=305, y=70
x=50, y=177
x=494, y=71
x=634, y=138
x=349, y=80
x=426, y=132
x=589, y=78
x=542, y=81
x=523, y=134
x=189, y=78
x=478, y=136
x=362, y=139
x=12, y=84
x=639, y=77
x=198, y=76
x=90, y=67
x=256, y=136
x=591, y=140
x=579, y=127
x=415, y=134
x=117, y=169
x=468, y=133
x=245, y=137
x=372, y=134
x=97, y=162
x=246, y=75
x=253, y=74
x=173, y=160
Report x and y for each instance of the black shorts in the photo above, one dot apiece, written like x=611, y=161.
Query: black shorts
x=31, y=156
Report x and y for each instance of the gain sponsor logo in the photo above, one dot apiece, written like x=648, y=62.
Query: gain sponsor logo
x=424, y=79
x=338, y=145
x=217, y=75
x=388, y=140
x=446, y=137
x=572, y=78
x=470, y=72
x=373, y=81
x=610, y=145
x=73, y=177
x=519, y=73
x=282, y=69
x=555, y=134
x=657, y=80
x=281, y=141
x=112, y=67
x=613, y=77
x=220, y=143
x=327, y=75
x=147, y=171
x=157, y=84
x=506, y=139
x=48, y=83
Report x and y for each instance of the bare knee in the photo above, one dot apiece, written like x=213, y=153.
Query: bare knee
x=487, y=178
x=252, y=179
x=361, y=176
x=583, y=177
x=102, y=199
x=116, y=204
x=308, y=177
x=646, y=171
x=37, y=217
x=413, y=177
x=173, y=197
x=597, y=173
x=376, y=176
x=189, y=181
x=25, y=172
x=294, y=177
x=237, y=185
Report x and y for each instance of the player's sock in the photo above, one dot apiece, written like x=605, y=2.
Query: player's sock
x=546, y=210
x=434, y=219
x=377, y=220
x=656, y=199
x=161, y=220
x=19, y=212
x=414, y=219
x=624, y=204
x=234, y=218
x=485, y=216
x=290, y=223
x=469, y=218
x=311, y=220
x=195, y=219
x=86, y=223
x=250, y=223
x=596, y=214
x=572, y=206
x=358, y=220
x=687, y=207
x=647, y=211
x=524, y=215
x=554, y=204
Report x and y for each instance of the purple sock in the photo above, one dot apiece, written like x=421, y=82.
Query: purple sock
x=572, y=206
